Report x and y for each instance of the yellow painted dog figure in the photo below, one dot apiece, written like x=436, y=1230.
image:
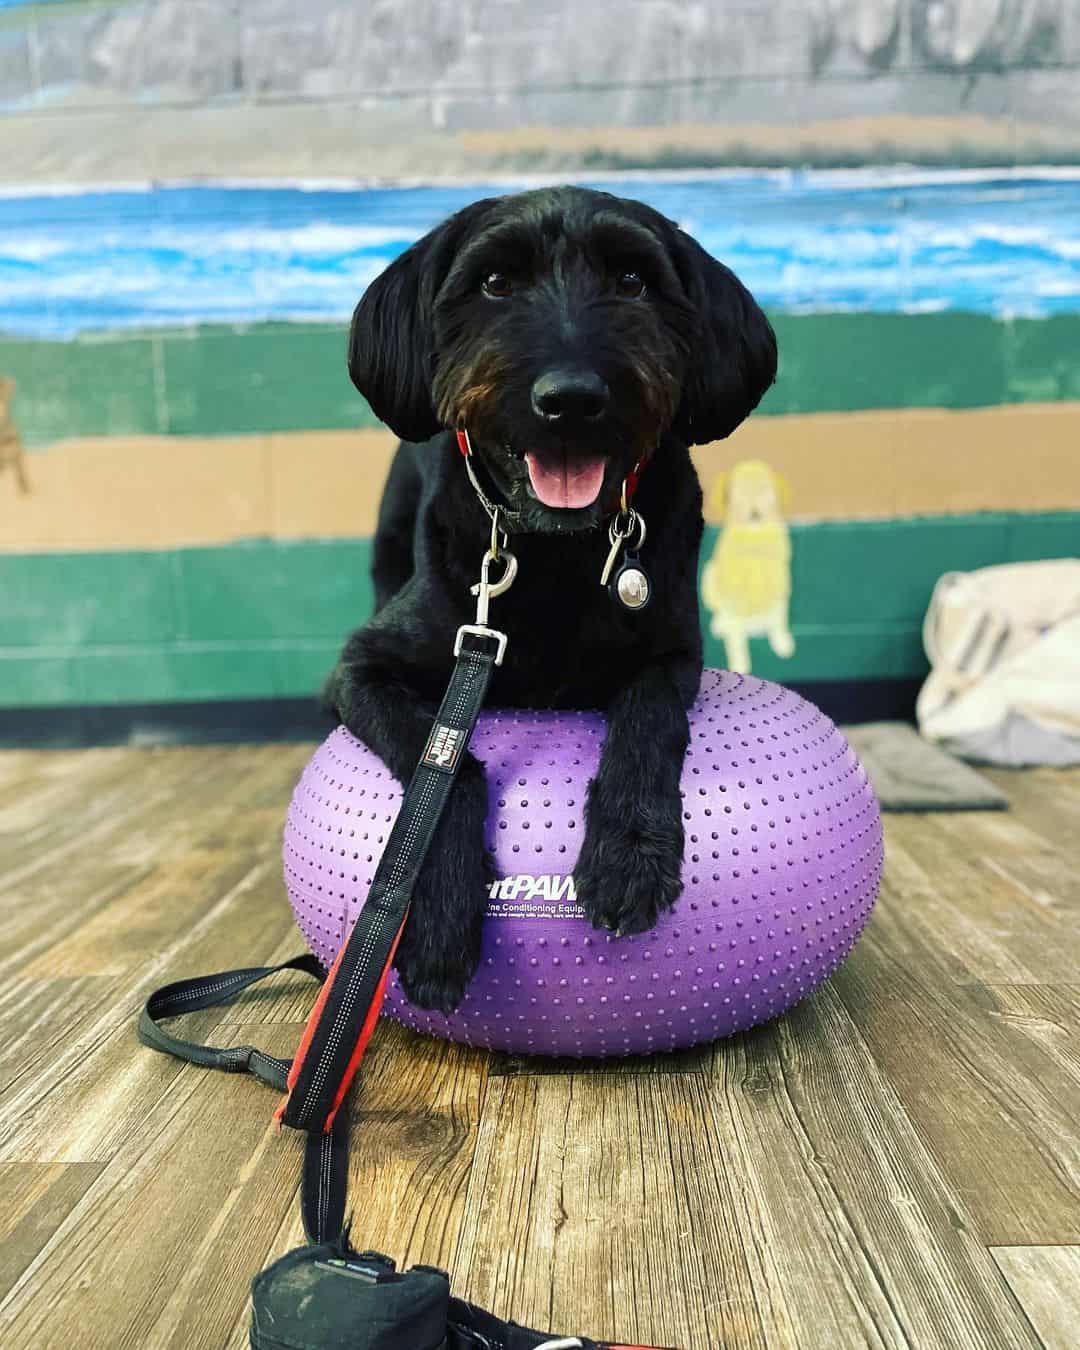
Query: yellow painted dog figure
x=11, y=447
x=746, y=584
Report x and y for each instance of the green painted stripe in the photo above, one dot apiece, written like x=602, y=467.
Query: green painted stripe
x=263, y=618
x=291, y=377
x=176, y=672
x=187, y=672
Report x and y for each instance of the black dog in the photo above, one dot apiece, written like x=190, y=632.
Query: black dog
x=575, y=335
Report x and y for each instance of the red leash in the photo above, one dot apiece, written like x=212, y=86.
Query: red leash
x=361, y=1045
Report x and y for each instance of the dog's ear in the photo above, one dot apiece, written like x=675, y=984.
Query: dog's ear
x=733, y=359
x=391, y=341
x=718, y=496
x=390, y=344
x=783, y=491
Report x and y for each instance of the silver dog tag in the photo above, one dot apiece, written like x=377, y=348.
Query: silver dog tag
x=630, y=585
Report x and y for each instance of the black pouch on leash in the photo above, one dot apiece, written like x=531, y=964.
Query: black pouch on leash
x=329, y=1297
x=326, y=1295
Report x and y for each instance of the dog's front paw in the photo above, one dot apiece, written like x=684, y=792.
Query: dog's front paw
x=630, y=868
x=434, y=976
x=440, y=947
x=782, y=643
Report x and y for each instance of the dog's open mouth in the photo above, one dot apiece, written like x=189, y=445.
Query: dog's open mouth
x=557, y=480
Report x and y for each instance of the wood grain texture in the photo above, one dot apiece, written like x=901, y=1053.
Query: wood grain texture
x=997, y=1110
x=962, y=883
x=1047, y=800
x=601, y=1201
x=198, y=1166
x=37, y=1200
x=1049, y=1015
x=911, y=774
x=894, y=1164
x=869, y=1241
x=100, y=1083
x=794, y=1200
x=415, y=1114
x=37, y=1016
x=1046, y=1282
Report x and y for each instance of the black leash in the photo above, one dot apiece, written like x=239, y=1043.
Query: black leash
x=327, y=1294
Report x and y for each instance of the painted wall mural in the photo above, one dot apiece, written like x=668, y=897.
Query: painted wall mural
x=194, y=443
x=12, y=451
x=746, y=583
x=870, y=240
x=188, y=481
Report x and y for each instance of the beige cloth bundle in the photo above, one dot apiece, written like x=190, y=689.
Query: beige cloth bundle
x=1004, y=647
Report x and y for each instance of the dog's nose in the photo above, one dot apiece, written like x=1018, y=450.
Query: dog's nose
x=569, y=396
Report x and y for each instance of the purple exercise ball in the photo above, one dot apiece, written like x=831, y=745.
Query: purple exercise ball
x=782, y=864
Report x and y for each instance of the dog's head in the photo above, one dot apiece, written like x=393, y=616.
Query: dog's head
x=567, y=330
x=751, y=493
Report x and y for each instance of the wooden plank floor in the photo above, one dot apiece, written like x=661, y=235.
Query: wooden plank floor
x=894, y=1164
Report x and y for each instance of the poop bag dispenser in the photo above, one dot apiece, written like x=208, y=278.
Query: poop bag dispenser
x=329, y=1297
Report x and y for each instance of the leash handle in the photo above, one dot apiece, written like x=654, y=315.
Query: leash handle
x=210, y=991
x=317, y=1080
x=344, y=1016
x=325, y=1174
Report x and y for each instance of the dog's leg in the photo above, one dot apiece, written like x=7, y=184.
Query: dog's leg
x=630, y=867
x=22, y=478
x=736, y=646
x=441, y=944
x=392, y=550
x=12, y=452
x=779, y=633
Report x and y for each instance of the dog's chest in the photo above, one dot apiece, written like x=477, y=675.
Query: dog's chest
x=570, y=643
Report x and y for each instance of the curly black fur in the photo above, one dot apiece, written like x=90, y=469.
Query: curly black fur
x=437, y=344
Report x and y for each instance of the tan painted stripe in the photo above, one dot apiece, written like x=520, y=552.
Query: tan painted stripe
x=170, y=491
x=884, y=138
x=915, y=461
x=130, y=492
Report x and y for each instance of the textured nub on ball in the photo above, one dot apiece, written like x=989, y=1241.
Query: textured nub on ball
x=782, y=865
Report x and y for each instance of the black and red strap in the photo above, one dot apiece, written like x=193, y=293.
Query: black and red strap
x=344, y=1016
x=317, y=1080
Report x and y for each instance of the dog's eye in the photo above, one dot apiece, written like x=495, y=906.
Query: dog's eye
x=629, y=285
x=497, y=285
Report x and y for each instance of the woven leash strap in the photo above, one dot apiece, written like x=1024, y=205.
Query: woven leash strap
x=317, y=1080
x=344, y=1015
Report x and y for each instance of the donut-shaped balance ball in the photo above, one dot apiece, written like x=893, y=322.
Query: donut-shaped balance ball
x=781, y=869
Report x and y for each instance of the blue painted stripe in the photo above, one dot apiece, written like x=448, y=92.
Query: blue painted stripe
x=1002, y=245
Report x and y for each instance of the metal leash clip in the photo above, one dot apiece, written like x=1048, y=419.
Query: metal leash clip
x=485, y=591
x=622, y=527
x=629, y=584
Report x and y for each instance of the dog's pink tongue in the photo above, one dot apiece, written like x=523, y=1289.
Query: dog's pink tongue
x=558, y=482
